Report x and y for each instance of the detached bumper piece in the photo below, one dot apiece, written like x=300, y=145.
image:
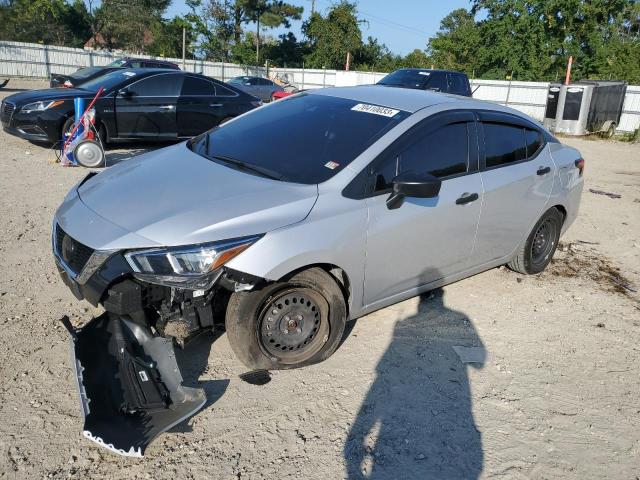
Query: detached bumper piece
x=129, y=384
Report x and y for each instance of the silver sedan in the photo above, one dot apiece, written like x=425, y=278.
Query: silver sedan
x=296, y=217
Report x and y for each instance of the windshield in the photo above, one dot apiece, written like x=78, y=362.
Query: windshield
x=108, y=81
x=117, y=63
x=407, y=78
x=303, y=139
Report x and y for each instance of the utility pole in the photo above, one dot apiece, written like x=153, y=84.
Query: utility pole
x=184, y=47
x=313, y=6
x=258, y=40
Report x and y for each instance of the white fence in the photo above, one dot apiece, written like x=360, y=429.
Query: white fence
x=39, y=61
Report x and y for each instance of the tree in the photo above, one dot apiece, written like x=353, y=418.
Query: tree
x=167, y=38
x=457, y=44
x=269, y=14
x=128, y=24
x=331, y=37
x=45, y=21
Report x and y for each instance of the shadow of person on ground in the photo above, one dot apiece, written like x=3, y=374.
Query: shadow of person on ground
x=416, y=421
x=192, y=362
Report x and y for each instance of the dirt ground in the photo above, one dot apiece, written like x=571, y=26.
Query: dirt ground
x=553, y=393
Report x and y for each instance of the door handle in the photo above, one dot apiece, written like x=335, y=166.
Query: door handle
x=215, y=104
x=543, y=170
x=167, y=107
x=467, y=198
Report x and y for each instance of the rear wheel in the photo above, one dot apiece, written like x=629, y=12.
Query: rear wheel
x=287, y=324
x=537, y=251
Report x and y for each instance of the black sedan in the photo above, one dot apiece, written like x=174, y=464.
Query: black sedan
x=149, y=104
x=82, y=75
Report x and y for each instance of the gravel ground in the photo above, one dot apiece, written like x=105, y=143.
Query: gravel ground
x=553, y=393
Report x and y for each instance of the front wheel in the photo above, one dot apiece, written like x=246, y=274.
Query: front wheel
x=537, y=251
x=287, y=324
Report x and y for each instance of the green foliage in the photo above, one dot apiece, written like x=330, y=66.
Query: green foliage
x=45, y=21
x=331, y=37
x=534, y=38
x=167, y=38
x=128, y=24
x=531, y=39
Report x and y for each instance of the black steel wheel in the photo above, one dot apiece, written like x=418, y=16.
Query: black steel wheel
x=294, y=325
x=537, y=251
x=543, y=241
x=287, y=324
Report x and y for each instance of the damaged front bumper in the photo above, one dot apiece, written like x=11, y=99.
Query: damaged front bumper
x=129, y=384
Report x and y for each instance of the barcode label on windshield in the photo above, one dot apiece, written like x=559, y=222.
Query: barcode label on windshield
x=375, y=109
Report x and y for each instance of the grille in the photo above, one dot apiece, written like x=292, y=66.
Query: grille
x=75, y=254
x=7, y=111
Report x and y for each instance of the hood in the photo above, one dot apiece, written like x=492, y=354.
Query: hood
x=173, y=196
x=23, y=98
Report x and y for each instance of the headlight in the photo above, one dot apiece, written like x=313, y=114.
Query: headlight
x=192, y=267
x=41, y=106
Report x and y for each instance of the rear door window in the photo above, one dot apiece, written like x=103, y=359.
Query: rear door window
x=504, y=144
x=459, y=85
x=200, y=87
x=438, y=82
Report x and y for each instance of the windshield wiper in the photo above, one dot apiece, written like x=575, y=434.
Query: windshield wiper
x=248, y=167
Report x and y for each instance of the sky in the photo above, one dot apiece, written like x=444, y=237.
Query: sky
x=402, y=25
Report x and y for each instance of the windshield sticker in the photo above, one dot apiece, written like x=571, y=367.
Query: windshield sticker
x=375, y=109
x=332, y=165
x=424, y=73
x=129, y=74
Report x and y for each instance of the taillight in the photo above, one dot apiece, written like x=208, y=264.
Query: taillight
x=580, y=165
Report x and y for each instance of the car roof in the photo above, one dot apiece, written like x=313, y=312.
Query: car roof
x=409, y=99
x=430, y=70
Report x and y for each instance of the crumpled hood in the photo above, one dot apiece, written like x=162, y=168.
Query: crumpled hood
x=173, y=196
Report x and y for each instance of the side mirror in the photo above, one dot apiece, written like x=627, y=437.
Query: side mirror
x=411, y=184
x=124, y=92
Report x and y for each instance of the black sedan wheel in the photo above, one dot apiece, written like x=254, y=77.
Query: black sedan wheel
x=537, y=251
x=287, y=324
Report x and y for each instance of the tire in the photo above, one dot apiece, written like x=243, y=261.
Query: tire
x=538, y=249
x=101, y=137
x=89, y=154
x=287, y=324
x=3, y=83
x=67, y=126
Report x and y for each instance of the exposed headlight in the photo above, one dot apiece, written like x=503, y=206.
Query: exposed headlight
x=41, y=106
x=192, y=267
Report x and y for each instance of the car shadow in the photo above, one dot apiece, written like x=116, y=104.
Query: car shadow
x=119, y=152
x=416, y=420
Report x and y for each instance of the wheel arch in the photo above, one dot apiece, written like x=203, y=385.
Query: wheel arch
x=338, y=273
x=562, y=210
